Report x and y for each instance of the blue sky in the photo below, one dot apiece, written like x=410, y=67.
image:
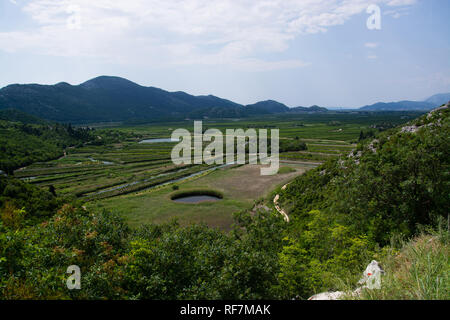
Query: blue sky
x=299, y=52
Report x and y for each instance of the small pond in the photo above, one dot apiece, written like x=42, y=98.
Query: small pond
x=196, y=199
x=159, y=140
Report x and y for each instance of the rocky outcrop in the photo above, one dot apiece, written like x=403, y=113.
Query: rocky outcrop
x=415, y=128
x=277, y=207
x=371, y=279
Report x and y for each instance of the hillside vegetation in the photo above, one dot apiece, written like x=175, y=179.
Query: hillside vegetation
x=19, y=116
x=345, y=210
x=23, y=144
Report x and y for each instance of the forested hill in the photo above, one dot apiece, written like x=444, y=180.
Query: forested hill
x=103, y=99
x=22, y=144
x=113, y=99
x=19, y=116
x=344, y=210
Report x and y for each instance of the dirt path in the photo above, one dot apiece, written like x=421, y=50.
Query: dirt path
x=301, y=162
x=275, y=202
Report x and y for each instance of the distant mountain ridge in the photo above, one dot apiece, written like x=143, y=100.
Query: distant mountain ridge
x=310, y=109
x=268, y=106
x=106, y=98
x=439, y=99
x=109, y=99
x=426, y=105
x=399, y=106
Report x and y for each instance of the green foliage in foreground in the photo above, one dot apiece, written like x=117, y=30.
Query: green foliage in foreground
x=312, y=260
x=154, y=262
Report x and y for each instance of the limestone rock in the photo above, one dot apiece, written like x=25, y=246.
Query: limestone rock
x=371, y=279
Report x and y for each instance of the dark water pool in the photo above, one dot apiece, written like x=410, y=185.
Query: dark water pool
x=197, y=199
x=158, y=140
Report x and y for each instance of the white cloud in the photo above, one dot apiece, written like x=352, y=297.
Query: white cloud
x=401, y=8
x=371, y=45
x=397, y=13
x=236, y=33
x=395, y=3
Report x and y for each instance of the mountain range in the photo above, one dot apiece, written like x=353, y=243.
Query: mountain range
x=116, y=99
x=106, y=98
x=428, y=104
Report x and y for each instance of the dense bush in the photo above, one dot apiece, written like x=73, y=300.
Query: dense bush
x=37, y=203
x=153, y=262
x=292, y=145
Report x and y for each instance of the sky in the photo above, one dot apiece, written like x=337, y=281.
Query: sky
x=332, y=53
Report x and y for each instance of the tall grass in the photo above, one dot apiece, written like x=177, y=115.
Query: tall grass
x=418, y=271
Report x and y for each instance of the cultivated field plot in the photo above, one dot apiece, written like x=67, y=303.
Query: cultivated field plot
x=240, y=186
x=98, y=172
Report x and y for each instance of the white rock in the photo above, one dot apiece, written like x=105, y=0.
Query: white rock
x=327, y=296
x=372, y=275
x=411, y=129
x=371, y=279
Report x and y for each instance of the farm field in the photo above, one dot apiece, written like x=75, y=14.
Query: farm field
x=241, y=186
x=136, y=179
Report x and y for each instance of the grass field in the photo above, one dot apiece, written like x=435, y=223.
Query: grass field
x=240, y=185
